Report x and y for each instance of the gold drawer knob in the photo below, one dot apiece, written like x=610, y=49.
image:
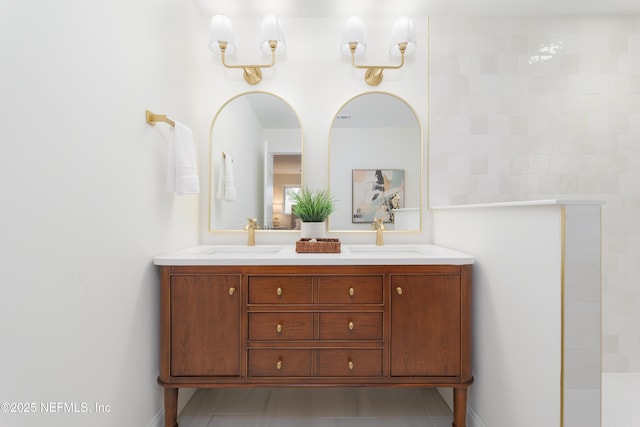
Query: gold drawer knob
x=279, y=328
x=351, y=326
x=232, y=291
x=399, y=290
x=279, y=291
x=350, y=365
x=279, y=364
x=352, y=292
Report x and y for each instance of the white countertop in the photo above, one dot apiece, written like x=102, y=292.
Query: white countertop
x=549, y=202
x=287, y=255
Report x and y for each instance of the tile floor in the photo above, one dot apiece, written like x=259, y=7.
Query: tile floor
x=325, y=407
x=367, y=407
x=621, y=400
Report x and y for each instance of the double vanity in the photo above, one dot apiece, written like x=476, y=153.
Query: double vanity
x=266, y=316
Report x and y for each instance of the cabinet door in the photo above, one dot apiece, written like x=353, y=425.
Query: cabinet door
x=205, y=325
x=425, y=325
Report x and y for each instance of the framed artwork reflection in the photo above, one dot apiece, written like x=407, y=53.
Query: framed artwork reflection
x=375, y=192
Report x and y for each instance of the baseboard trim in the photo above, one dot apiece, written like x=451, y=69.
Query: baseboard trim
x=447, y=396
x=184, y=396
x=157, y=420
x=473, y=420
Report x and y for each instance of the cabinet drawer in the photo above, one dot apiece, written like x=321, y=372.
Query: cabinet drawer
x=351, y=326
x=280, y=326
x=280, y=290
x=350, y=362
x=350, y=289
x=279, y=363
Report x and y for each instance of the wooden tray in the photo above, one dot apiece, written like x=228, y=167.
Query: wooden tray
x=318, y=246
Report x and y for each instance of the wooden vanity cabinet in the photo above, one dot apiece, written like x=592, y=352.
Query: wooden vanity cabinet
x=325, y=326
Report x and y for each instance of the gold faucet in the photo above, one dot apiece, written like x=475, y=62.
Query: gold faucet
x=379, y=227
x=251, y=228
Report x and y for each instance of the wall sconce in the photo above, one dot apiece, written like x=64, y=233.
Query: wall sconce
x=222, y=42
x=354, y=43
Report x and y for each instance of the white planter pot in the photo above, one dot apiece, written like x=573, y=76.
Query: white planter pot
x=313, y=230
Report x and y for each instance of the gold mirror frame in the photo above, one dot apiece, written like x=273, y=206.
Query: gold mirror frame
x=215, y=151
x=365, y=227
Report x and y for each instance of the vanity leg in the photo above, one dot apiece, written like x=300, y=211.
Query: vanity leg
x=170, y=407
x=459, y=407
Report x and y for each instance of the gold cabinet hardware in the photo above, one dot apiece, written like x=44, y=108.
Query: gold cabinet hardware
x=350, y=365
x=232, y=291
x=352, y=292
x=399, y=290
x=279, y=328
x=351, y=326
x=279, y=364
x=279, y=291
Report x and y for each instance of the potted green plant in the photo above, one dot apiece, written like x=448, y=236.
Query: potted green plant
x=313, y=208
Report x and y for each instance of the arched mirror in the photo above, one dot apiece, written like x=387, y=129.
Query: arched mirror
x=375, y=164
x=256, y=162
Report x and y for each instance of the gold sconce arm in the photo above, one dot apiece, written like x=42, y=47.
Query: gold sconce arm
x=222, y=41
x=373, y=75
x=252, y=73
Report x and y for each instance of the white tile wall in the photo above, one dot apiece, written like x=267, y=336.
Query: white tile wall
x=619, y=400
x=582, y=316
x=546, y=107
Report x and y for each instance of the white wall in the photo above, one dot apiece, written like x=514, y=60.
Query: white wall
x=536, y=299
x=316, y=80
x=516, y=310
x=582, y=373
x=84, y=208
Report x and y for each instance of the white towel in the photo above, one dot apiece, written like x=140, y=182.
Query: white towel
x=182, y=176
x=226, y=185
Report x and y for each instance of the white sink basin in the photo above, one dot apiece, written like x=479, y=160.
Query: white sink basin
x=238, y=250
x=391, y=250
